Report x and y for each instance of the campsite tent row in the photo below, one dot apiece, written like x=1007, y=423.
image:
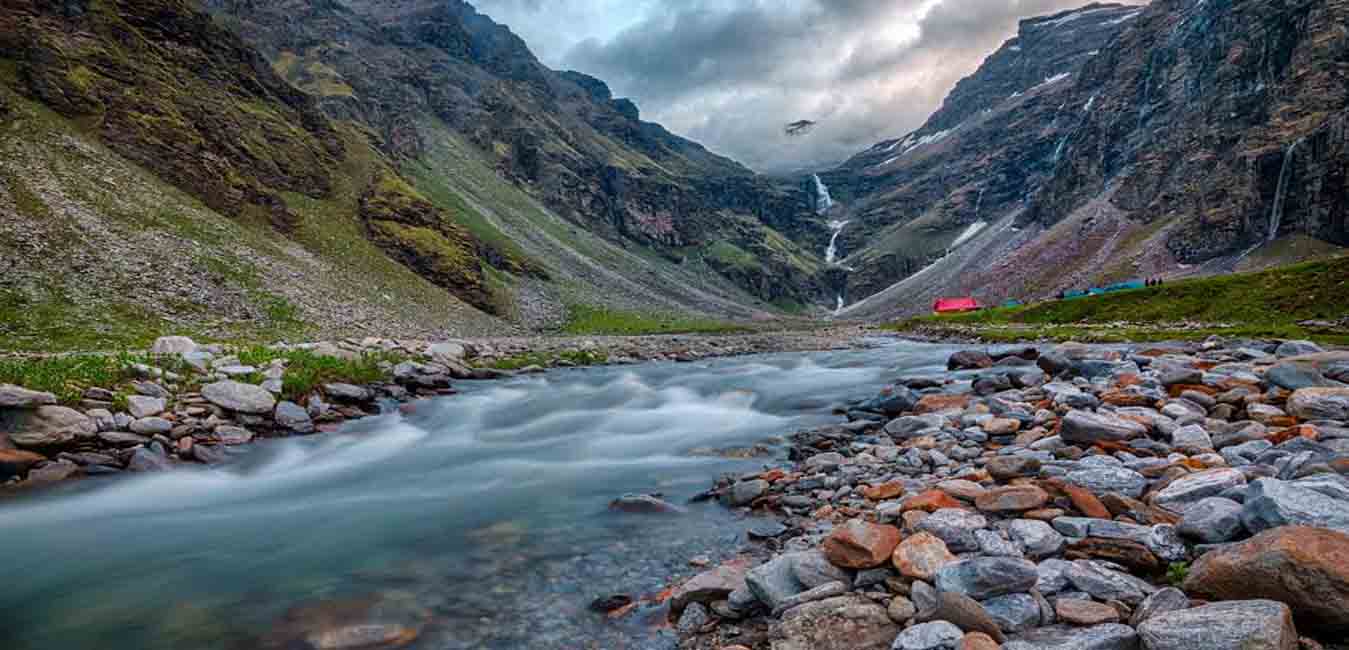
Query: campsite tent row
x=968, y=303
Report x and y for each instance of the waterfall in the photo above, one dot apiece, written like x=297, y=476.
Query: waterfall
x=1281, y=192
x=823, y=202
x=831, y=252
x=978, y=203
x=839, y=308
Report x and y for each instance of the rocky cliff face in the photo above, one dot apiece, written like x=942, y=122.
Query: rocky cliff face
x=993, y=142
x=1226, y=117
x=397, y=64
x=1162, y=140
x=164, y=86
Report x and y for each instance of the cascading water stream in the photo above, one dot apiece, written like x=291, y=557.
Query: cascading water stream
x=823, y=202
x=831, y=252
x=1281, y=192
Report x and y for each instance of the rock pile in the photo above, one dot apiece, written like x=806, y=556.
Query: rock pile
x=197, y=403
x=1187, y=497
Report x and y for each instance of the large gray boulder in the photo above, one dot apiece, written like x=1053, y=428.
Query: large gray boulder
x=935, y=635
x=239, y=397
x=1232, y=625
x=1110, y=636
x=46, y=426
x=776, y=581
x=986, y=577
x=1271, y=503
x=15, y=397
x=173, y=345
x=1213, y=520
x=1107, y=584
x=1088, y=428
x=839, y=623
x=1320, y=403
x=1193, y=488
x=1109, y=479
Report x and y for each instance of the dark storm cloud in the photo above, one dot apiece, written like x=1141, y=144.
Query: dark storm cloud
x=730, y=73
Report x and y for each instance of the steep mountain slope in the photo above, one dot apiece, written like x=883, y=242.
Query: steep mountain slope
x=409, y=67
x=993, y=141
x=1196, y=134
x=191, y=184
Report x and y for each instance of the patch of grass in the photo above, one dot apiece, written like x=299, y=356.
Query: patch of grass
x=68, y=377
x=726, y=254
x=1177, y=572
x=306, y=371
x=1268, y=304
x=545, y=360
x=585, y=319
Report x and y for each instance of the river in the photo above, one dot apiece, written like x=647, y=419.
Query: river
x=478, y=520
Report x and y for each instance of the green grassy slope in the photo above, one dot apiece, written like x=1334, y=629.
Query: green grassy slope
x=1280, y=302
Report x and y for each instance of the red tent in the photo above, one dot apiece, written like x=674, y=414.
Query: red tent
x=955, y=305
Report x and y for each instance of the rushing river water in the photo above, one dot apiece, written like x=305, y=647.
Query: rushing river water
x=479, y=520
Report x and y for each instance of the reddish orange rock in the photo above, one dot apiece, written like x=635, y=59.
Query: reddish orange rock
x=1303, y=431
x=1013, y=498
x=1085, y=612
x=921, y=556
x=883, y=491
x=935, y=403
x=1124, y=398
x=773, y=475
x=978, y=641
x=930, y=501
x=857, y=544
x=1085, y=501
x=1176, y=389
x=14, y=462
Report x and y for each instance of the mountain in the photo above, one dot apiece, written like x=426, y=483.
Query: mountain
x=1175, y=139
x=268, y=169
x=412, y=68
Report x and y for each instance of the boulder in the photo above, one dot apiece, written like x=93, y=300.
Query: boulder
x=1006, y=468
x=857, y=544
x=346, y=393
x=1088, y=428
x=46, y=426
x=1109, y=479
x=839, y=623
x=707, y=587
x=1271, y=503
x=645, y=504
x=1076, y=611
x=921, y=556
x=145, y=459
x=954, y=526
x=1014, y=613
x=1109, y=636
x=173, y=345
x=1233, y=625
x=1188, y=490
x=986, y=577
x=935, y=635
x=744, y=493
x=965, y=613
x=1296, y=348
x=15, y=463
x=140, y=406
x=1213, y=520
x=53, y=472
x=1300, y=566
x=1166, y=599
x=1013, y=498
x=1320, y=403
x=1107, y=584
x=293, y=417
x=1296, y=376
x=15, y=397
x=239, y=397
x=969, y=360
x=784, y=576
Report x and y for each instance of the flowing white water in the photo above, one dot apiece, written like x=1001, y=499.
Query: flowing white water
x=823, y=202
x=486, y=509
x=831, y=252
x=1281, y=192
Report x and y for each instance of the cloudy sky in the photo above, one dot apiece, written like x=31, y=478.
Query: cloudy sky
x=731, y=73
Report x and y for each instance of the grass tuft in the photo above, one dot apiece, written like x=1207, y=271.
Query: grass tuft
x=307, y=371
x=585, y=319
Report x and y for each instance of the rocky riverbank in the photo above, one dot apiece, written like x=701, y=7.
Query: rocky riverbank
x=189, y=403
x=1177, y=497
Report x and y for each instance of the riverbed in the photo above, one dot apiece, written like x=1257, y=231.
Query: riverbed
x=478, y=520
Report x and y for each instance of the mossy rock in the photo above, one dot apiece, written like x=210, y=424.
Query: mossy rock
x=425, y=239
